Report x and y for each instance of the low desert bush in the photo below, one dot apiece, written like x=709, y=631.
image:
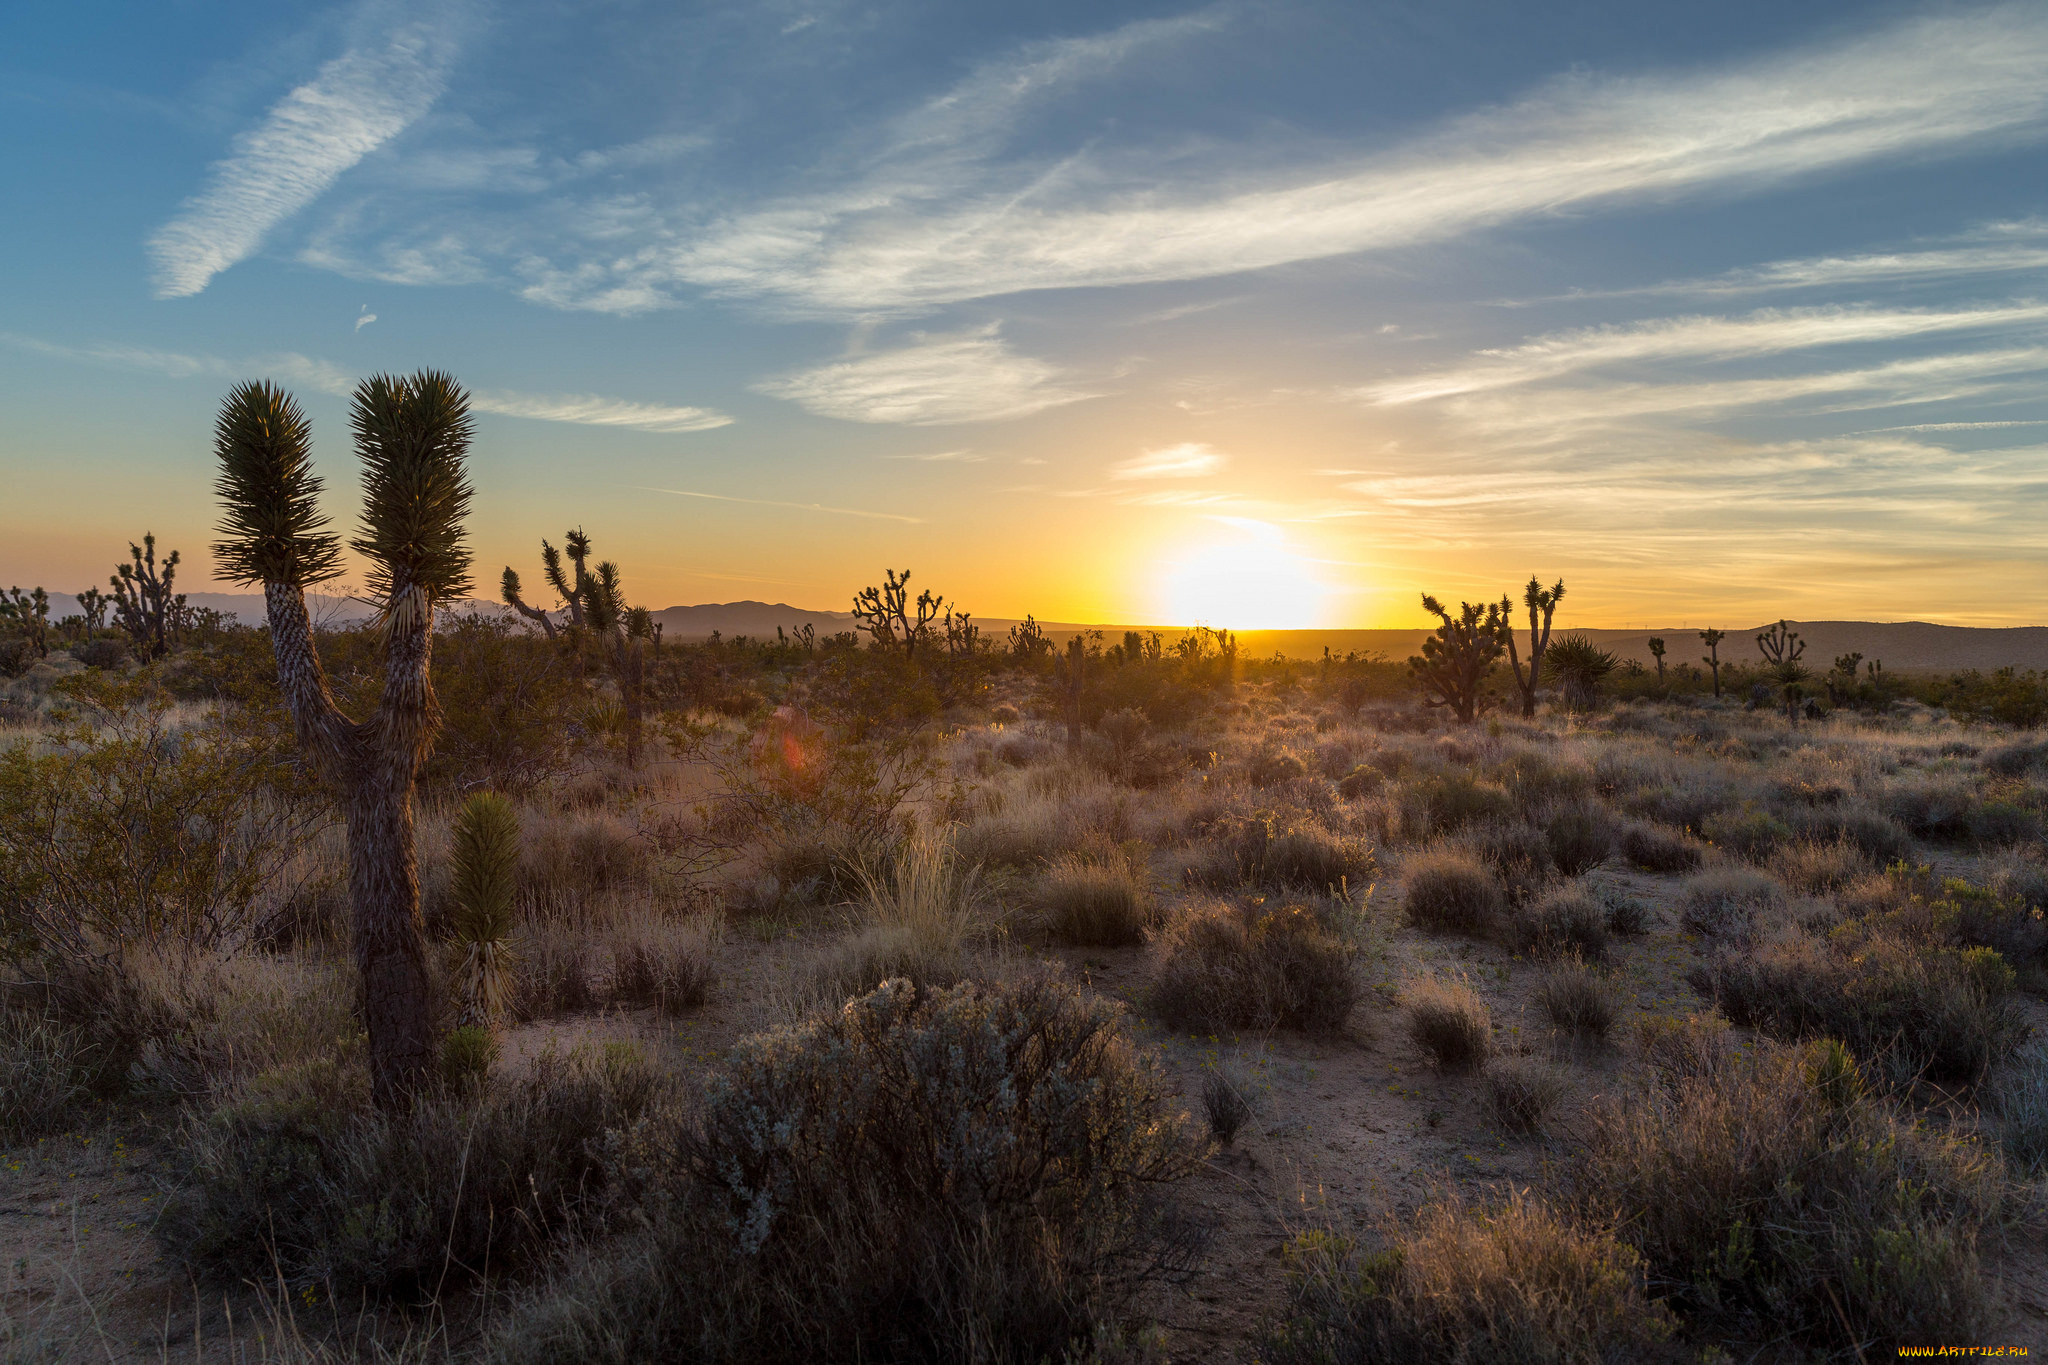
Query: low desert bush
x=1578, y=1000
x=1448, y=891
x=1777, y=1203
x=972, y=1175
x=1581, y=837
x=1264, y=850
x=1362, y=781
x=1817, y=868
x=1522, y=1283
x=1568, y=922
x=1936, y=808
x=1449, y=1022
x=1517, y=850
x=2019, y=1097
x=297, y=1181
x=1908, y=1009
x=45, y=1073
x=1723, y=902
x=567, y=858
x=1228, y=1103
x=1626, y=915
x=1225, y=966
x=1747, y=831
x=1450, y=801
x=1096, y=901
x=554, y=970
x=663, y=963
x=1655, y=848
x=1273, y=766
x=1521, y=1092
x=1680, y=1047
x=1880, y=838
x=2004, y=824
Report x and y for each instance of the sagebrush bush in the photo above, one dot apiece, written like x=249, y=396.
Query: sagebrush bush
x=1936, y=808
x=1577, y=999
x=1362, y=781
x=1262, y=850
x=1448, y=891
x=1775, y=1202
x=1909, y=1009
x=299, y=1181
x=1521, y=1283
x=1722, y=902
x=972, y=1175
x=1816, y=868
x=1568, y=922
x=1226, y=966
x=1654, y=848
x=1448, y=802
x=1678, y=1047
x=1581, y=837
x=1449, y=1022
x=1521, y=1092
x=1095, y=902
x=1517, y=850
x=1880, y=838
x=1748, y=831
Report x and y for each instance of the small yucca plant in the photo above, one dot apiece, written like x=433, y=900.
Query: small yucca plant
x=486, y=858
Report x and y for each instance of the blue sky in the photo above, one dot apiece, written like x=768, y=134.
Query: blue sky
x=1259, y=313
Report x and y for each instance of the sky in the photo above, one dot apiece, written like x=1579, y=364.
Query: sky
x=1256, y=314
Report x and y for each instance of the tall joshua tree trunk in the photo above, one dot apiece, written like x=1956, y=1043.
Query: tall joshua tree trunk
x=412, y=435
x=1542, y=606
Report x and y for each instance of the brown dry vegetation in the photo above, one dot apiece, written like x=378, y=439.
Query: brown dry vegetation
x=1270, y=1020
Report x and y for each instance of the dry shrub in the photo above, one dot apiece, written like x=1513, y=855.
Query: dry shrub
x=1362, y=781
x=665, y=964
x=1581, y=837
x=2020, y=1099
x=1522, y=1283
x=1653, y=848
x=1566, y=922
x=1876, y=835
x=46, y=1069
x=1676, y=1048
x=1933, y=807
x=1227, y=1105
x=1815, y=868
x=298, y=1182
x=1723, y=902
x=1913, y=1010
x=1449, y=1021
x=554, y=970
x=566, y=858
x=1579, y=1000
x=1748, y=831
x=1536, y=779
x=1776, y=1202
x=1448, y=802
x=1268, y=849
x=1270, y=767
x=972, y=1175
x=1448, y=891
x=1096, y=902
x=1521, y=1092
x=1225, y=966
x=1517, y=850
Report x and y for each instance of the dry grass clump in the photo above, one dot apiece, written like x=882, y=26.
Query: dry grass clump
x=1362, y=781
x=1581, y=837
x=1777, y=1203
x=297, y=1181
x=1100, y=901
x=1448, y=891
x=972, y=1175
x=1447, y=802
x=1266, y=849
x=1449, y=1021
x=1521, y=1283
x=1521, y=1092
x=924, y=919
x=668, y=965
x=45, y=1073
x=1677, y=1048
x=554, y=970
x=1579, y=1000
x=1723, y=902
x=569, y=857
x=1749, y=831
x=1817, y=868
x=1881, y=839
x=1226, y=966
x=1568, y=922
x=2020, y=1100
x=1653, y=848
x=1517, y=850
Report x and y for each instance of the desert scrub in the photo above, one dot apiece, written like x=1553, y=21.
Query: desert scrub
x=1677, y=1047
x=1448, y=891
x=1722, y=902
x=2019, y=1097
x=1748, y=831
x=1911, y=1010
x=1448, y=802
x=1515, y=849
x=45, y=1073
x=298, y=1180
x=663, y=963
x=1096, y=901
x=1230, y=966
x=1653, y=848
x=977, y=1175
x=1449, y=1022
x=1568, y=922
x=1816, y=868
x=1773, y=1199
x=1521, y=1092
x=1520, y=1283
x=1263, y=849
x=1581, y=837
x=1578, y=1000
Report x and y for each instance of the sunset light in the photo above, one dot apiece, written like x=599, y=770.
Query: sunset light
x=1254, y=581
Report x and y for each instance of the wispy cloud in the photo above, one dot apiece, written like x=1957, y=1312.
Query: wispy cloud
x=325, y=377
x=797, y=506
x=1190, y=460
x=357, y=102
x=965, y=377
x=944, y=457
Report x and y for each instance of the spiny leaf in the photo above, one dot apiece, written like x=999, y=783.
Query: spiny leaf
x=271, y=527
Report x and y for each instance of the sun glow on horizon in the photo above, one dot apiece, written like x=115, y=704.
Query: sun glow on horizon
x=1258, y=582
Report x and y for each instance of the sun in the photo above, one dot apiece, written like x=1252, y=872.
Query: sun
x=1254, y=582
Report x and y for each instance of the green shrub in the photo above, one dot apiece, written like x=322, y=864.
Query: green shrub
x=1450, y=1023
x=1566, y=923
x=1361, y=782
x=1581, y=837
x=970, y=1175
x=1653, y=848
x=1095, y=902
x=300, y=1182
x=1777, y=1205
x=1448, y=891
x=467, y=1055
x=1522, y=1283
x=1249, y=967
x=2001, y=824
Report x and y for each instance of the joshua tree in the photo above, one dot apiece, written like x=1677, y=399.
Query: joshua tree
x=1073, y=686
x=486, y=856
x=570, y=591
x=1579, y=665
x=885, y=613
x=1028, y=639
x=412, y=435
x=1542, y=604
x=143, y=603
x=1657, y=650
x=1782, y=648
x=31, y=611
x=1453, y=663
x=92, y=605
x=963, y=637
x=1712, y=658
x=622, y=631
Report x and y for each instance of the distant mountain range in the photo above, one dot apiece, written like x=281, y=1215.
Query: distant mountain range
x=1899, y=644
